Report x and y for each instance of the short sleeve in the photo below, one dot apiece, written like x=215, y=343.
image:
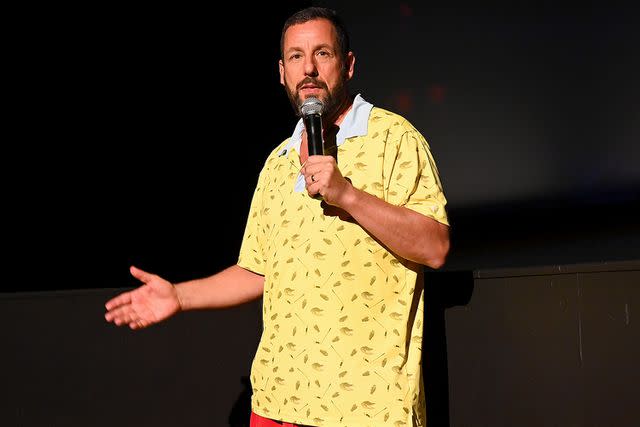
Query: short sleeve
x=411, y=175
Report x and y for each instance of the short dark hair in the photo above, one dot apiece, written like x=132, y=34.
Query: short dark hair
x=311, y=13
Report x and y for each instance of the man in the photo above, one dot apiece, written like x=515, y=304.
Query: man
x=340, y=275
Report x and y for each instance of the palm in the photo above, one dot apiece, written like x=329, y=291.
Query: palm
x=154, y=301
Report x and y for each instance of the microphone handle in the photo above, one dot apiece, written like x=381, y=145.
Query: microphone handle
x=313, y=126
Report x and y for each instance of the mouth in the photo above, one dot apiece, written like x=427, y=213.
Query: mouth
x=309, y=85
x=308, y=89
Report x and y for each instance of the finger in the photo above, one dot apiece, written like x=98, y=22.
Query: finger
x=125, y=319
x=134, y=325
x=118, y=313
x=313, y=169
x=313, y=188
x=124, y=298
x=121, y=314
x=312, y=176
x=312, y=179
x=138, y=324
x=141, y=275
x=309, y=180
x=315, y=159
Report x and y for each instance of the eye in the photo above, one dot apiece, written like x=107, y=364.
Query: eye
x=324, y=55
x=295, y=56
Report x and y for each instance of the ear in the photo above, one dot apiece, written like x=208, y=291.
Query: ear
x=281, y=68
x=349, y=66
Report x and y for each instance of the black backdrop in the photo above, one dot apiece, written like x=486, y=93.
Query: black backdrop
x=145, y=129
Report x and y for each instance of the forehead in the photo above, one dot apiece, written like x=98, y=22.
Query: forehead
x=315, y=32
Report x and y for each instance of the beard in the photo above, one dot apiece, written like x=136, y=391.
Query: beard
x=331, y=100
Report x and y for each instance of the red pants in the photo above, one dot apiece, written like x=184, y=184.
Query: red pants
x=258, y=421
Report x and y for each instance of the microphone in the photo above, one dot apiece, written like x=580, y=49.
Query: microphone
x=311, y=110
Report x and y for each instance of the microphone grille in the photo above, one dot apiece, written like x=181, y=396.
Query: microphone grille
x=311, y=105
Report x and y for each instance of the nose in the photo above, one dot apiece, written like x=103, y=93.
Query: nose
x=310, y=67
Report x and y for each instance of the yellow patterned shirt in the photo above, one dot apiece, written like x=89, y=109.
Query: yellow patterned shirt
x=342, y=316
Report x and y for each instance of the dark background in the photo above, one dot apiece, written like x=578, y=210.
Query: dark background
x=147, y=126
x=139, y=132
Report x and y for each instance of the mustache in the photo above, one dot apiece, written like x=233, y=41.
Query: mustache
x=310, y=80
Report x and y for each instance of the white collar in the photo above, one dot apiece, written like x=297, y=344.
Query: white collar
x=355, y=123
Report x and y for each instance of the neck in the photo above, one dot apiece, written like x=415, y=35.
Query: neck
x=336, y=117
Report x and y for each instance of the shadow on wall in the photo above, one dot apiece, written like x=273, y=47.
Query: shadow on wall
x=240, y=413
x=442, y=290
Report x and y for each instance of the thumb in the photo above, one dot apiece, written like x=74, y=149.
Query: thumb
x=141, y=275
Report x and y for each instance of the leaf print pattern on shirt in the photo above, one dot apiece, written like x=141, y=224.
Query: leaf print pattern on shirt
x=337, y=305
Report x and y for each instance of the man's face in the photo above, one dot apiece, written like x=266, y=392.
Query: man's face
x=312, y=65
